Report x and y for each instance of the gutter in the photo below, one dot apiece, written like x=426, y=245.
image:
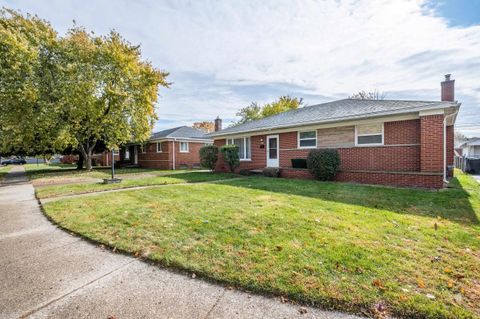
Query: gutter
x=445, y=144
x=411, y=110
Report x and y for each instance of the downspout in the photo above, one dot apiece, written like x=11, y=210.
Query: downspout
x=173, y=149
x=445, y=146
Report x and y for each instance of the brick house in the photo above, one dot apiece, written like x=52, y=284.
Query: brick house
x=387, y=142
x=174, y=148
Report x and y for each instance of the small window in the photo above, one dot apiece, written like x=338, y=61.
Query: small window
x=243, y=147
x=143, y=148
x=184, y=147
x=159, y=147
x=307, y=139
x=369, y=134
x=127, y=154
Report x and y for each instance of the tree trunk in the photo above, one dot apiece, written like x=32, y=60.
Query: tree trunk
x=88, y=161
x=80, y=161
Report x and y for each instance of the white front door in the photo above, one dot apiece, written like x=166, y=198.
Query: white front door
x=272, y=151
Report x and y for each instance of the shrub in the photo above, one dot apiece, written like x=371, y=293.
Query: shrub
x=323, y=164
x=299, y=162
x=230, y=156
x=271, y=172
x=209, y=156
x=245, y=172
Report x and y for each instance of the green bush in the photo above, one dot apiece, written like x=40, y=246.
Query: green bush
x=209, y=156
x=323, y=164
x=230, y=156
x=245, y=172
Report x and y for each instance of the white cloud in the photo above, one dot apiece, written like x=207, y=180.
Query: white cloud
x=219, y=52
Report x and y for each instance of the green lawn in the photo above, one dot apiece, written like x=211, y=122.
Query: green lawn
x=169, y=178
x=4, y=170
x=337, y=245
x=55, y=172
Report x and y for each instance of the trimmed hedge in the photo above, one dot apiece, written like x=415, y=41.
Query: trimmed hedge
x=209, y=156
x=323, y=164
x=230, y=156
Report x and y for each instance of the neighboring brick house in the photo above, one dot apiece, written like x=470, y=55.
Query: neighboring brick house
x=104, y=158
x=158, y=152
x=388, y=142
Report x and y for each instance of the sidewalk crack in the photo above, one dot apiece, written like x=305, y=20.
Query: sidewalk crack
x=31, y=312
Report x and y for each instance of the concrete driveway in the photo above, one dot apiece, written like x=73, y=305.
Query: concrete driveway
x=477, y=177
x=46, y=272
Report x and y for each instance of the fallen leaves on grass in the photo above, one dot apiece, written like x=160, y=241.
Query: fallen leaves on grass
x=377, y=283
x=420, y=283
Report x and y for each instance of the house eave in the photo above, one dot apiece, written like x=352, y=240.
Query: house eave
x=404, y=114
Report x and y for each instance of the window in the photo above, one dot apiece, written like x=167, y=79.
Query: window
x=307, y=139
x=184, y=147
x=243, y=147
x=369, y=134
x=159, y=147
x=127, y=154
x=143, y=148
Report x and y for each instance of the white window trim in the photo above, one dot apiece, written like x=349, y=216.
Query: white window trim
x=311, y=138
x=161, y=150
x=143, y=148
x=370, y=144
x=230, y=142
x=180, y=147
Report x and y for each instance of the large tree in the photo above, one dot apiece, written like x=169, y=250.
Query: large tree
x=255, y=111
x=109, y=93
x=29, y=82
x=76, y=90
x=205, y=126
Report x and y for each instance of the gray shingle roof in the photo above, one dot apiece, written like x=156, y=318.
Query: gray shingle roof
x=184, y=132
x=474, y=141
x=334, y=111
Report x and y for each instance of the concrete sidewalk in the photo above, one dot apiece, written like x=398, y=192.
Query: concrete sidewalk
x=45, y=272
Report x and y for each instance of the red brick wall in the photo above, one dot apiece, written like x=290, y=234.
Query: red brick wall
x=410, y=179
x=384, y=158
x=105, y=158
x=191, y=158
x=431, y=140
x=450, y=145
x=152, y=159
x=258, y=155
x=373, y=165
x=164, y=159
x=403, y=179
x=402, y=132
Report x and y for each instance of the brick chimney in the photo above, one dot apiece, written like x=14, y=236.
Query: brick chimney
x=448, y=89
x=218, y=124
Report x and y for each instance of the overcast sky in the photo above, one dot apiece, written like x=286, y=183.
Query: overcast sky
x=222, y=55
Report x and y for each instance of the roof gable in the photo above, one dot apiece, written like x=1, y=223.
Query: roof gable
x=184, y=132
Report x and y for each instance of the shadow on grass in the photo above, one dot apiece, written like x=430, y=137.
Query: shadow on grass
x=453, y=203
x=52, y=170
